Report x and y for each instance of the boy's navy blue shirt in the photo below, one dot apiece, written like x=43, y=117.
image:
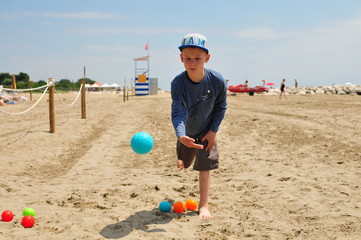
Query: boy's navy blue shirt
x=198, y=107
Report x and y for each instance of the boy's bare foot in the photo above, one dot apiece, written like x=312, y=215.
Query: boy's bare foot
x=204, y=213
x=180, y=165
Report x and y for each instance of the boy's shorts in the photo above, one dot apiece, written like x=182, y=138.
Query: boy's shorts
x=204, y=160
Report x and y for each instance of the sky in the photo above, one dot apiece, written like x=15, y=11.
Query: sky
x=317, y=42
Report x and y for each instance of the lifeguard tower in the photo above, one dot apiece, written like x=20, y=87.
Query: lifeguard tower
x=142, y=82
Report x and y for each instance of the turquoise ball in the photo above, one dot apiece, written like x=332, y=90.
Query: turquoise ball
x=142, y=142
x=165, y=206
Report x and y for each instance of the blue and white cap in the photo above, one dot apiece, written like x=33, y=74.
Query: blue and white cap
x=194, y=40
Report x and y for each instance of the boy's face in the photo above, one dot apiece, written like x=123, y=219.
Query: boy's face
x=194, y=59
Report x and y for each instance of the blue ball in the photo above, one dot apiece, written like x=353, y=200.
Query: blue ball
x=142, y=142
x=164, y=206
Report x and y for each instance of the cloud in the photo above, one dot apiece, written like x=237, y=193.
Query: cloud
x=110, y=48
x=99, y=68
x=257, y=33
x=335, y=39
x=82, y=15
x=15, y=15
x=135, y=30
x=63, y=15
x=322, y=55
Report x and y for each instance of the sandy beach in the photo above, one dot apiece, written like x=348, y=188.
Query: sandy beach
x=289, y=169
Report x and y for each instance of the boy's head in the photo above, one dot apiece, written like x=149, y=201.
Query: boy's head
x=194, y=40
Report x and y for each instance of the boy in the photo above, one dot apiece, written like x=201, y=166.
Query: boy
x=198, y=108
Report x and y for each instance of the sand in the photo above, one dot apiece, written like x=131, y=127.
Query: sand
x=289, y=169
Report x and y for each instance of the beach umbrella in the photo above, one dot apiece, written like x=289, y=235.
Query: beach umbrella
x=115, y=86
x=270, y=84
x=96, y=84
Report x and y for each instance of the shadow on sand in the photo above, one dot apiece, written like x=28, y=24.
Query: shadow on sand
x=140, y=221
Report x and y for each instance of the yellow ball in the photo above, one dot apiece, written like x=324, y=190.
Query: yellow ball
x=191, y=204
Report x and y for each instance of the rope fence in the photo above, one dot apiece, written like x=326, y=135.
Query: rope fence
x=36, y=103
x=49, y=87
x=76, y=98
x=24, y=90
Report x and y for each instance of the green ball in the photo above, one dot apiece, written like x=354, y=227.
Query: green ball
x=29, y=211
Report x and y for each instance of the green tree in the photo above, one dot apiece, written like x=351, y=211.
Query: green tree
x=87, y=81
x=39, y=83
x=64, y=84
x=7, y=82
x=22, y=85
x=22, y=77
x=4, y=76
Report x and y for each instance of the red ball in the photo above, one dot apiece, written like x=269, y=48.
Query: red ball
x=179, y=207
x=28, y=221
x=7, y=216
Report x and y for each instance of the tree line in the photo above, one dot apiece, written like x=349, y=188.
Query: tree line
x=23, y=82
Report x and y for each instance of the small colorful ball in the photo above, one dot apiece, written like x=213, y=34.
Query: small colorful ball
x=7, y=216
x=179, y=207
x=28, y=221
x=29, y=211
x=165, y=206
x=191, y=204
x=142, y=142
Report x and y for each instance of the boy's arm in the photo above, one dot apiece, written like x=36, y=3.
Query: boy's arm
x=219, y=107
x=179, y=117
x=179, y=111
x=189, y=142
x=211, y=138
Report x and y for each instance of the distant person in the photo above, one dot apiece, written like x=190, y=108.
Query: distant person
x=282, y=88
x=246, y=83
x=296, y=83
x=198, y=107
x=4, y=98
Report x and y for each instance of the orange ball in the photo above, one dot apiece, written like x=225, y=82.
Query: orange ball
x=191, y=204
x=179, y=207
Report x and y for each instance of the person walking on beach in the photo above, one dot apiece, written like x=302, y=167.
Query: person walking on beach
x=296, y=83
x=198, y=107
x=283, y=92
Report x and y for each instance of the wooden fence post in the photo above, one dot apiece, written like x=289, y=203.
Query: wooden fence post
x=31, y=92
x=13, y=84
x=124, y=94
x=51, y=106
x=83, y=103
x=127, y=94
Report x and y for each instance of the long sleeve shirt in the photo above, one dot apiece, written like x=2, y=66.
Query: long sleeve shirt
x=198, y=107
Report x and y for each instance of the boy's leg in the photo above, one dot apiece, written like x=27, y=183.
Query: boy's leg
x=204, y=186
x=180, y=164
x=205, y=162
x=185, y=156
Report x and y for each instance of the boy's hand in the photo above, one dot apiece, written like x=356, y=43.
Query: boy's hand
x=189, y=142
x=211, y=138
